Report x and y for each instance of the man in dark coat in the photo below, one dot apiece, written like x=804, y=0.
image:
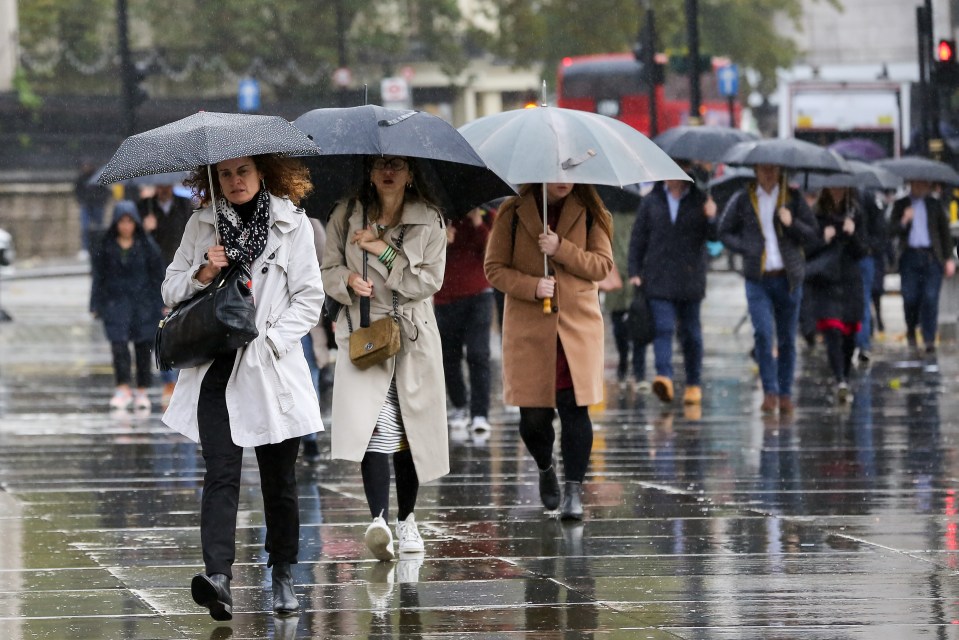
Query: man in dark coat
x=667, y=253
x=165, y=216
x=769, y=225
x=926, y=253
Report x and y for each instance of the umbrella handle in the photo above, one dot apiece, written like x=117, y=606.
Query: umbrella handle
x=547, y=306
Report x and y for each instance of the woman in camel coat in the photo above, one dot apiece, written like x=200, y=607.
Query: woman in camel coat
x=553, y=361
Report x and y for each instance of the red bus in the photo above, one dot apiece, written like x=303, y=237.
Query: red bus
x=610, y=84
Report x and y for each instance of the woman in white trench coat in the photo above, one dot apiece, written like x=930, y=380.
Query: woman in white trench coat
x=261, y=395
x=398, y=407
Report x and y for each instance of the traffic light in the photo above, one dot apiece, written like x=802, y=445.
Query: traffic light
x=945, y=68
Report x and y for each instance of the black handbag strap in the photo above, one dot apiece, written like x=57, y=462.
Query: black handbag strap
x=396, y=310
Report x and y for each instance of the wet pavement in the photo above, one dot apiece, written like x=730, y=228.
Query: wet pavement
x=838, y=523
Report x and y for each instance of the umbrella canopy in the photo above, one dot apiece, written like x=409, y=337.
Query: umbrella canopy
x=703, y=144
x=917, y=168
x=789, y=153
x=204, y=138
x=861, y=176
x=862, y=149
x=454, y=174
x=722, y=188
x=174, y=178
x=551, y=144
x=620, y=198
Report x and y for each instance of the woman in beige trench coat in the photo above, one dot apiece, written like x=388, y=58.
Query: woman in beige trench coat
x=553, y=362
x=398, y=407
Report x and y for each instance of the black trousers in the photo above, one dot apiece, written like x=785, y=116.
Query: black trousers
x=576, y=434
x=122, y=363
x=221, y=482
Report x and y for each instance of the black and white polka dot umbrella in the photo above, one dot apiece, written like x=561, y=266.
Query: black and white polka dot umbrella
x=204, y=138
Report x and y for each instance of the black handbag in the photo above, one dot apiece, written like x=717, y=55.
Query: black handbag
x=825, y=267
x=639, y=318
x=215, y=321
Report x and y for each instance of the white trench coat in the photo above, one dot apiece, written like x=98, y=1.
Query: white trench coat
x=270, y=398
x=358, y=394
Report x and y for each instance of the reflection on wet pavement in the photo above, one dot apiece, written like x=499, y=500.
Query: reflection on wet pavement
x=838, y=523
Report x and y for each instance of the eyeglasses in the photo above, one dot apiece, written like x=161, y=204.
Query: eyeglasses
x=396, y=164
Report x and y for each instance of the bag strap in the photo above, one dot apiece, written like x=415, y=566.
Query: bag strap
x=396, y=306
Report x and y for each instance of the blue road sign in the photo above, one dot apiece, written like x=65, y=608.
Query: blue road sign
x=728, y=80
x=248, y=95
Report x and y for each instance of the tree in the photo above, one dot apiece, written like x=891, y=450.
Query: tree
x=548, y=30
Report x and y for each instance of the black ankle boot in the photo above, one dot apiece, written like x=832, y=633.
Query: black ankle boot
x=549, y=487
x=284, y=596
x=213, y=592
x=573, y=501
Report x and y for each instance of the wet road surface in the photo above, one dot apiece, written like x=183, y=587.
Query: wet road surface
x=840, y=522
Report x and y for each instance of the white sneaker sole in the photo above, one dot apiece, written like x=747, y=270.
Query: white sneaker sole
x=380, y=545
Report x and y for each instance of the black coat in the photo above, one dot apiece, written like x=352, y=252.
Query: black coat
x=842, y=298
x=126, y=287
x=170, y=226
x=741, y=231
x=671, y=257
x=937, y=222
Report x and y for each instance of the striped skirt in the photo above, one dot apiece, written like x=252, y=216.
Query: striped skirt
x=389, y=436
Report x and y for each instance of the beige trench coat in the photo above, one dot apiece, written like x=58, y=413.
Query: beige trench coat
x=358, y=395
x=529, y=335
x=270, y=395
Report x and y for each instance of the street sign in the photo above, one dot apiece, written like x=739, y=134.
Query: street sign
x=727, y=79
x=343, y=77
x=248, y=95
x=395, y=93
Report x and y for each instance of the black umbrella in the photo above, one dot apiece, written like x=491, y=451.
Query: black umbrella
x=620, y=199
x=451, y=170
x=722, y=188
x=918, y=168
x=862, y=176
x=788, y=153
x=202, y=139
x=174, y=178
x=703, y=144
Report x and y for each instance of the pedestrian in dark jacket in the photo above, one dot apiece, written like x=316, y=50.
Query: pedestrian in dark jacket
x=667, y=254
x=835, y=292
x=164, y=217
x=769, y=225
x=926, y=253
x=127, y=273
x=871, y=265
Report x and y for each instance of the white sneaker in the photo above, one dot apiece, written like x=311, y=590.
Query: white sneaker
x=122, y=399
x=408, y=569
x=459, y=418
x=643, y=386
x=141, y=402
x=379, y=540
x=409, y=536
x=480, y=424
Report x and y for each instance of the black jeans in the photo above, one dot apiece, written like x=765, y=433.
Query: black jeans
x=465, y=323
x=576, y=434
x=221, y=482
x=122, y=363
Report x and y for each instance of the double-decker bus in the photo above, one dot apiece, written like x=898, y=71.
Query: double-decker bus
x=612, y=85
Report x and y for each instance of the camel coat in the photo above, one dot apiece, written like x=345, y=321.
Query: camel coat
x=514, y=266
x=358, y=394
x=270, y=395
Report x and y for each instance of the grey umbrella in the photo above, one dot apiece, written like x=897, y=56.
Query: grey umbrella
x=453, y=173
x=702, y=144
x=204, y=138
x=174, y=177
x=917, y=168
x=788, y=153
x=861, y=176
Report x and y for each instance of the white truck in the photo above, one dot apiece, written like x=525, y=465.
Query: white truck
x=824, y=112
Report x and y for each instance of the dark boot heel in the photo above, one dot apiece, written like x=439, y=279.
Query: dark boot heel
x=573, y=501
x=549, y=487
x=284, y=594
x=213, y=592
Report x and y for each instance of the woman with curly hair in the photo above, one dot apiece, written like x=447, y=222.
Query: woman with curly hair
x=261, y=395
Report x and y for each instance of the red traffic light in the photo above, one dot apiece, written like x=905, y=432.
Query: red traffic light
x=946, y=51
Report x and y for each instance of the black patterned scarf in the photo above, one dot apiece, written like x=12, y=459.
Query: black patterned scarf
x=244, y=242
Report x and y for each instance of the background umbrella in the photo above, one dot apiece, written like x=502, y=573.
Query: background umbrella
x=551, y=144
x=453, y=173
x=862, y=149
x=204, y=138
x=722, y=187
x=788, y=153
x=702, y=144
x=861, y=176
x=620, y=198
x=917, y=168
x=174, y=178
